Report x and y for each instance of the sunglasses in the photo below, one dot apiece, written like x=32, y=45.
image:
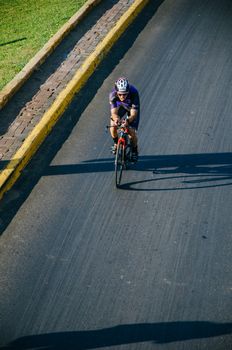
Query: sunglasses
x=123, y=94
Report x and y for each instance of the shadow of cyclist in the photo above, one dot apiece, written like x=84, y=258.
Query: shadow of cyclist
x=193, y=171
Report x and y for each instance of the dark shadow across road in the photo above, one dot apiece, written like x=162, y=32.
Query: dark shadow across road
x=198, y=170
x=159, y=333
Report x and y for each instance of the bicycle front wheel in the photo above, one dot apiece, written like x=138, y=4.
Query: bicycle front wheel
x=119, y=164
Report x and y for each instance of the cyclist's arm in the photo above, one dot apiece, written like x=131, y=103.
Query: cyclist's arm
x=134, y=107
x=114, y=115
x=113, y=107
x=133, y=115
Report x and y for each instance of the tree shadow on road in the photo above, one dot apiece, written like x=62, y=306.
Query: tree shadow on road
x=158, y=333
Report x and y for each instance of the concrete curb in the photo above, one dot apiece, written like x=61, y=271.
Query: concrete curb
x=14, y=85
x=10, y=174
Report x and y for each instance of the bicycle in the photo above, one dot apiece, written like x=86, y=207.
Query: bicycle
x=123, y=153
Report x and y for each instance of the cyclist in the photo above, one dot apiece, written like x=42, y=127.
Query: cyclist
x=124, y=100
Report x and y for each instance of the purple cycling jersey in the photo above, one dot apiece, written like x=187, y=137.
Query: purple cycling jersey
x=131, y=102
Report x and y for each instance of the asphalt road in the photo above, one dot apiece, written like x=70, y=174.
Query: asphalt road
x=85, y=266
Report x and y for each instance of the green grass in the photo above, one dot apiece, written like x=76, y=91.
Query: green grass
x=25, y=26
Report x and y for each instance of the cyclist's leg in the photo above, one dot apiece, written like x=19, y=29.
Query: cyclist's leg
x=134, y=127
x=114, y=135
x=134, y=137
x=134, y=144
x=113, y=130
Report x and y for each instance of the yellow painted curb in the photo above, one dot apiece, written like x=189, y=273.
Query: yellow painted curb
x=14, y=85
x=11, y=173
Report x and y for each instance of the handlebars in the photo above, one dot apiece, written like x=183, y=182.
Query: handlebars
x=119, y=125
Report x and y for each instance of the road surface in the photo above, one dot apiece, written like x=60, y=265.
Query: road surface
x=84, y=265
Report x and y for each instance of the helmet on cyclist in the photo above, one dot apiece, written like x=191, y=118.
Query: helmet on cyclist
x=122, y=85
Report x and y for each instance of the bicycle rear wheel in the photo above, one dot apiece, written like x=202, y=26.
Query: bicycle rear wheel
x=119, y=164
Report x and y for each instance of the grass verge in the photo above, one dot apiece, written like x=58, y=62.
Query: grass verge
x=26, y=25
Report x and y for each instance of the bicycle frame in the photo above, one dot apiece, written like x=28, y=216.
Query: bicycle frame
x=123, y=134
x=123, y=153
x=124, y=139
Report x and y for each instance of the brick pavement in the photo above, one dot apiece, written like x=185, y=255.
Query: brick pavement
x=30, y=114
